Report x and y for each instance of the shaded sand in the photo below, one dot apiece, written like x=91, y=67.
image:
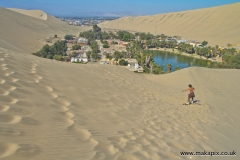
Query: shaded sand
x=57, y=110
x=25, y=31
x=106, y=112
x=32, y=13
x=217, y=25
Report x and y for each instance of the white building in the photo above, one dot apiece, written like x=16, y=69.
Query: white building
x=133, y=63
x=82, y=57
x=181, y=41
x=136, y=66
x=82, y=40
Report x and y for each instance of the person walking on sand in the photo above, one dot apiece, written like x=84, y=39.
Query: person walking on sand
x=191, y=95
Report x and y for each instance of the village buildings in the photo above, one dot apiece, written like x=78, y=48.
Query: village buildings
x=80, y=57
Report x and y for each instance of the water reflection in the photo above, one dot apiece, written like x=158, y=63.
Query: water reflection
x=163, y=58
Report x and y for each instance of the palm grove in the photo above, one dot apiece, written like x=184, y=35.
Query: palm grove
x=138, y=48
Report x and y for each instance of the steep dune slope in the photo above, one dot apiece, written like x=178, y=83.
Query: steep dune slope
x=25, y=32
x=218, y=25
x=32, y=13
x=54, y=110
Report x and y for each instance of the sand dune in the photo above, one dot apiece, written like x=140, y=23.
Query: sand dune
x=218, y=25
x=33, y=13
x=23, y=33
x=106, y=112
x=56, y=110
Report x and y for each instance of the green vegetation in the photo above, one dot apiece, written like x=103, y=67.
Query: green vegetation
x=105, y=35
x=204, y=43
x=96, y=28
x=49, y=56
x=94, y=47
x=58, y=57
x=187, y=48
x=138, y=50
x=68, y=37
x=177, y=68
x=122, y=62
x=113, y=43
x=169, y=66
x=56, y=51
x=105, y=45
x=76, y=47
x=74, y=54
x=96, y=33
x=125, y=36
x=137, y=47
x=108, y=56
x=145, y=36
x=153, y=69
x=158, y=69
x=231, y=58
x=119, y=55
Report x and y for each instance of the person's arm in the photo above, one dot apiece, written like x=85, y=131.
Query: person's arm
x=185, y=90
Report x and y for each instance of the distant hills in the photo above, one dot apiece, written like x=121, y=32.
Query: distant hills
x=100, y=14
x=218, y=25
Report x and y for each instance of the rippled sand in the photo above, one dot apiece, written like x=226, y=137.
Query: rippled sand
x=55, y=110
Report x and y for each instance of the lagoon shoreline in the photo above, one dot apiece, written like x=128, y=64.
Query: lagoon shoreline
x=186, y=54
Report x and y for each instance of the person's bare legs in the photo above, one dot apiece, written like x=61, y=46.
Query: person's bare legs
x=189, y=101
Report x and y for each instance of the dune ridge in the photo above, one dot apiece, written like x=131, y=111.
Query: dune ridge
x=217, y=25
x=33, y=13
x=24, y=33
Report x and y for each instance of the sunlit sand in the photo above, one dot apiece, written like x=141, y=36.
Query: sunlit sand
x=217, y=25
x=52, y=110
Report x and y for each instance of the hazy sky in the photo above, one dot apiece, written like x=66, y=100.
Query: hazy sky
x=141, y=7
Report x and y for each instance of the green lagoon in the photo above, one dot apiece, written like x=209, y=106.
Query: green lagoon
x=163, y=58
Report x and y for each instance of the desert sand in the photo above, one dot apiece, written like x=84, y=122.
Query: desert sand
x=57, y=110
x=32, y=13
x=218, y=25
x=25, y=32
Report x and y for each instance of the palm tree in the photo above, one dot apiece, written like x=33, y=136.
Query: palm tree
x=169, y=67
x=151, y=66
x=163, y=37
x=209, y=51
x=147, y=60
x=142, y=61
x=177, y=68
x=197, y=50
x=216, y=50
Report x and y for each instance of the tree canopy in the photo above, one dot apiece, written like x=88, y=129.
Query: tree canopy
x=96, y=28
x=58, y=48
x=68, y=37
x=94, y=47
x=204, y=43
x=94, y=34
x=125, y=36
x=76, y=47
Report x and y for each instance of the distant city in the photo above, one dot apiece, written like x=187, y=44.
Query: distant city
x=85, y=21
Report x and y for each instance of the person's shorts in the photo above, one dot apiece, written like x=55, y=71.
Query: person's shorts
x=191, y=95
